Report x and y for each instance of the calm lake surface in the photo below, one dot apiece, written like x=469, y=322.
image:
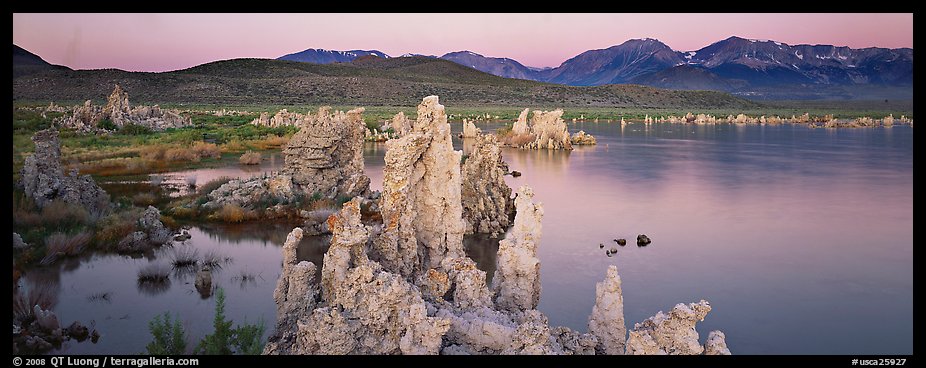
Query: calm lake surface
x=801, y=239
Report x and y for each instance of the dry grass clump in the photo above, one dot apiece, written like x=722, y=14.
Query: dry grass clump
x=233, y=146
x=181, y=154
x=154, y=273
x=250, y=158
x=270, y=142
x=153, y=152
x=55, y=214
x=60, y=245
x=184, y=256
x=43, y=296
x=113, y=228
x=207, y=150
x=144, y=199
x=233, y=213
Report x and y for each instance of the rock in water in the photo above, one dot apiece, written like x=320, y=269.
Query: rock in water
x=581, y=138
x=470, y=130
x=643, y=240
x=421, y=203
x=151, y=232
x=203, y=282
x=517, y=275
x=716, y=344
x=486, y=198
x=44, y=182
x=607, y=319
x=669, y=334
x=520, y=127
x=622, y=242
x=365, y=309
x=326, y=155
x=549, y=131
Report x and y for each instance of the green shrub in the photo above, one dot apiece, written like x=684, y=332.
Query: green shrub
x=225, y=340
x=106, y=124
x=169, y=338
x=134, y=129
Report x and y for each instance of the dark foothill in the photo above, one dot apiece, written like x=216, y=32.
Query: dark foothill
x=643, y=240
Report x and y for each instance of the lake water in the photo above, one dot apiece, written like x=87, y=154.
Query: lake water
x=801, y=239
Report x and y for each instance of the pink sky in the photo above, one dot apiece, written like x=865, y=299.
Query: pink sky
x=161, y=42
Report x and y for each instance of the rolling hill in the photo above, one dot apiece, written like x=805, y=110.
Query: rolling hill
x=367, y=81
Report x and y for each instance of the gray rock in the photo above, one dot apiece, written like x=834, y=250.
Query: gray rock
x=643, y=240
x=18, y=242
x=486, y=197
x=43, y=180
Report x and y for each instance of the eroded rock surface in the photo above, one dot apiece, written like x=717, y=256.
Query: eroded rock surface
x=421, y=204
x=486, y=198
x=607, y=319
x=87, y=117
x=517, y=277
x=669, y=334
x=281, y=118
x=549, y=131
x=583, y=139
x=151, y=233
x=716, y=344
x=326, y=155
x=43, y=180
x=470, y=130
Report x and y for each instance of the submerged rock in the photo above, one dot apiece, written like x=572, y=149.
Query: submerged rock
x=43, y=180
x=486, y=198
x=607, y=319
x=581, y=138
x=643, y=240
x=421, y=204
x=669, y=334
x=516, y=282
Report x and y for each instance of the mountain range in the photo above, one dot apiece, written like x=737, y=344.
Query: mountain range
x=368, y=80
x=751, y=68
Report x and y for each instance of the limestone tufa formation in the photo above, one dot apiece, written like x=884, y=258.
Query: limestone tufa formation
x=487, y=202
x=421, y=204
x=326, y=155
x=281, y=118
x=517, y=279
x=470, y=130
x=152, y=232
x=607, y=319
x=410, y=289
x=86, y=118
x=549, y=131
x=670, y=334
x=581, y=139
x=43, y=180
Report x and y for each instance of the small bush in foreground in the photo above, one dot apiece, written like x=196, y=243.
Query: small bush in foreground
x=250, y=158
x=169, y=338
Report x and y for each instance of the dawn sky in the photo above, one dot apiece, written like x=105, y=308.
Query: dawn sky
x=161, y=42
